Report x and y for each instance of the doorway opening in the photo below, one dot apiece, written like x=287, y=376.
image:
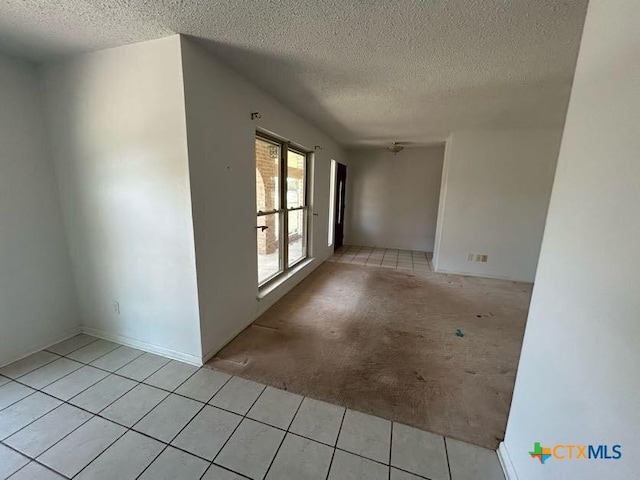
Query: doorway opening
x=339, y=203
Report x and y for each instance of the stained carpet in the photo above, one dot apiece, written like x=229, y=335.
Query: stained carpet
x=434, y=351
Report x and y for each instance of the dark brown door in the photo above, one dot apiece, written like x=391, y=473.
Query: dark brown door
x=341, y=185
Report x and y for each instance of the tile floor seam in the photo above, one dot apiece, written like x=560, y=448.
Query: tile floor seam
x=28, y=425
x=177, y=434
x=344, y=414
x=168, y=444
x=127, y=429
x=217, y=391
x=194, y=416
x=26, y=396
x=446, y=452
x=162, y=401
x=274, y=457
x=142, y=352
x=75, y=349
x=49, y=384
x=197, y=456
x=284, y=436
x=211, y=464
x=183, y=427
x=335, y=446
x=124, y=365
x=244, y=417
x=365, y=458
x=302, y=397
x=355, y=255
x=417, y=475
x=368, y=256
x=93, y=415
x=97, y=358
x=172, y=360
x=35, y=420
x=390, y=447
x=301, y=436
x=221, y=386
x=31, y=459
x=396, y=258
x=120, y=368
x=81, y=391
x=100, y=454
x=145, y=378
x=151, y=462
x=109, y=371
x=221, y=408
x=37, y=368
x=114, y=401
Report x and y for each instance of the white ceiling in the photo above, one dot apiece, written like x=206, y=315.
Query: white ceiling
x=367, y=72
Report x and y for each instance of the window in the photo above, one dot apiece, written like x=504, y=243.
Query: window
x=332, y=201
x=281, y=204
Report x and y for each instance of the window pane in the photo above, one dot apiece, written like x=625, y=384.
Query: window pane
x=297, y=239
x=268, y=247
x=296, y=174
x=267, y=175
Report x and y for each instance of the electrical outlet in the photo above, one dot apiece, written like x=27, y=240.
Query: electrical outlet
x=477, y=257
x=116, y=307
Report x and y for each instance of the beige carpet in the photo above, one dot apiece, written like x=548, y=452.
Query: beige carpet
x=384, y=342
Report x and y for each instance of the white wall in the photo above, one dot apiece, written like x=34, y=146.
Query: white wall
x=495, y=194
x=578, y=378
x=37, y=293
x=392, y=200
x=221, y=133
x=117, y=121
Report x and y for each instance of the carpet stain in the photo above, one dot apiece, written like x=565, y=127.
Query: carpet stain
x=380, y=341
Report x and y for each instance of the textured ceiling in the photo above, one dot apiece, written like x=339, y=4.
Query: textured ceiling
x=367, y=72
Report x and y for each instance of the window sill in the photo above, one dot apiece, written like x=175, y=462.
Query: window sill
x=277, y=282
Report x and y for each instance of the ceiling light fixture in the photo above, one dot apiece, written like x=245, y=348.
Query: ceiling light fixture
x=395, y=148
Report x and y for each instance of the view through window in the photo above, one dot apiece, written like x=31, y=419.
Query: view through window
x=281, y=204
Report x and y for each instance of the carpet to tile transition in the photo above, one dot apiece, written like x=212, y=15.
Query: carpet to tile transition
x=434, y=351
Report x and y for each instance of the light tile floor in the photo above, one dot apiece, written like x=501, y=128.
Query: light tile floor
x=269, y=263
x=92, y=409
x=384, y=257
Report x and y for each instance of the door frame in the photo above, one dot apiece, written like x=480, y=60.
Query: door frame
x=339, y=205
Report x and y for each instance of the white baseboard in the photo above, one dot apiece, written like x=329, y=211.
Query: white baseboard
x=60, y=338
x=506, y=463
x=207, y=356
x=267, y=301
x=147, y=347
x=481, y=275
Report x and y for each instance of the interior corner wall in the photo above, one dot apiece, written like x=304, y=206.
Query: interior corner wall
x=496, y=187
x=117, y=124
x=577, y=380
x=392, y=199
x=37, y=293
x=221, y=136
